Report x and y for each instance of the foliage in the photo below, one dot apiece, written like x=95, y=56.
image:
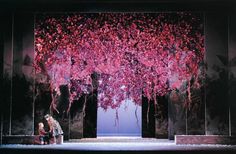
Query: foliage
x=127, y=53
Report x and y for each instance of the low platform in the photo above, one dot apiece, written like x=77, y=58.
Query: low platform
x=27, y=139
x=205, y=139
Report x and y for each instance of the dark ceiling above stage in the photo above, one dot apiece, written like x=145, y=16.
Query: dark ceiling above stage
x=114, y=5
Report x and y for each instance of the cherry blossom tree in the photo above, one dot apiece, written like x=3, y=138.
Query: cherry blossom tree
x=132, y=54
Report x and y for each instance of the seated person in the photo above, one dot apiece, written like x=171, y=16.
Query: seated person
x=55, y=130
x=43, y=136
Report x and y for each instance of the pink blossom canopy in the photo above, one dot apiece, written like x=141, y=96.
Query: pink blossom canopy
x=132, y=54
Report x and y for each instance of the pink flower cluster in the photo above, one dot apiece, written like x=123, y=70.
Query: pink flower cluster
x=134, y=54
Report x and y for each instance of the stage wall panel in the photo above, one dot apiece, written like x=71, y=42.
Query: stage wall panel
x=7, y=72
x=23, y=75
x=232, y=71
x=216, y=42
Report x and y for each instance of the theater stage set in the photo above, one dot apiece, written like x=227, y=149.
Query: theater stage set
x=120, y=76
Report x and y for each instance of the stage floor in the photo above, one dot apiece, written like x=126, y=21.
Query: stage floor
x=117, y=145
